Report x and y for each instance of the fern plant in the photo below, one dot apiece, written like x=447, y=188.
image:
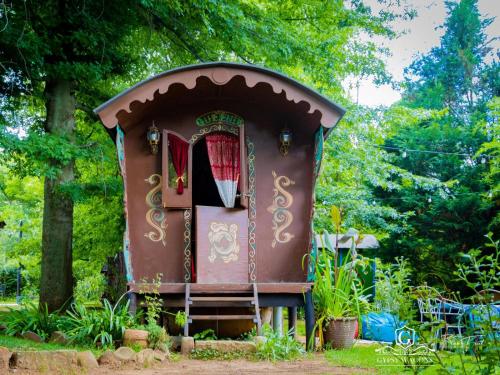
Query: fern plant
x=105, y=326
x=32, y=318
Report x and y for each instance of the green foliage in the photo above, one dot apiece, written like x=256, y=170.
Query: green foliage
x=89, y=326
x=393, y=290
x=213, y=354
x=8, y=279
x=334, y=293
x=153, y=301
x=31, y=318
x=207, y=334
x=278, y=347
x=180, y=318
x=352, y=165
x=477, y=351
x=135, y=347
x=157, y=337
x=481, y=273
x=100, y=51
x=447, y=115
x=337, y=291
x=21, y=205
x=248, y=336
x=90, y=288
x=456, y=75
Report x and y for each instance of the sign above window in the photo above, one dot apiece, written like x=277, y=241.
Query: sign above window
x=219, y=117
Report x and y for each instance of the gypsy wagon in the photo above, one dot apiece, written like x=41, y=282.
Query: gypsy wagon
x=219, y=162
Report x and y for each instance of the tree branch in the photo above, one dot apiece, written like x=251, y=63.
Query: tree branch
x=188, y=47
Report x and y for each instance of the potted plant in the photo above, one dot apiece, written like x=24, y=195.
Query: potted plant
x=336, y=294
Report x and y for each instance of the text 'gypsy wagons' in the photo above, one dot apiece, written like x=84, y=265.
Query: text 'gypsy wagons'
x=219, y=163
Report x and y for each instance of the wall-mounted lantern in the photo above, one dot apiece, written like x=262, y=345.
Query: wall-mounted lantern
x=153, y=137
x=285, y=141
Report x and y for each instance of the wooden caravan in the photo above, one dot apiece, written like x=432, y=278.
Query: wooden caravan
x=219, y=163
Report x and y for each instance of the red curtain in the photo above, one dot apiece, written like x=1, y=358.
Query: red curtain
x=179, y=151
x=224, y=154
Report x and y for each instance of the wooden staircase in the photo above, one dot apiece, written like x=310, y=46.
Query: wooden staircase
x=215, y=299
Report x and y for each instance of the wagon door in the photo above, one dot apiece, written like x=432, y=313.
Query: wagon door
x=220, y=208
x=222, y=245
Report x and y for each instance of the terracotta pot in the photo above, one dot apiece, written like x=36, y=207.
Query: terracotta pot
x=340, y=333
x=133, y=337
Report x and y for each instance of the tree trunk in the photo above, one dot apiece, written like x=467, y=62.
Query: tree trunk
x=56, y=286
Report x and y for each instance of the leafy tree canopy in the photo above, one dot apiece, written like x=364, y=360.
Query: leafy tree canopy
x=59, y=59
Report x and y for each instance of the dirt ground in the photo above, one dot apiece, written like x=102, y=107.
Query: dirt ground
x=315, y=364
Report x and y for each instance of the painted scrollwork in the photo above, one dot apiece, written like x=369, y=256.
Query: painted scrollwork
x=282, y=217
x=252, y=213
x=187, y=246
x=223, y=240
x=156, y=215
x=213, y=128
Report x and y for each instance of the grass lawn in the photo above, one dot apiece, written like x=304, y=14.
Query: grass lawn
x=359, y=357
x=16, y=343
x=367, y=357
x=8, y=300
x=5, y=308
x=300, y=326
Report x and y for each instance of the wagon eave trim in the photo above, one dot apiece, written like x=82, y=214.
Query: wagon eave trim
x=220, y=73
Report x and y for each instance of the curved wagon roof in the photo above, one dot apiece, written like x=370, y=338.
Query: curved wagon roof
x=220, y=73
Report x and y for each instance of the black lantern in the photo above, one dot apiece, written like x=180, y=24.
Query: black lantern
x=285, y=141
x=153, y=138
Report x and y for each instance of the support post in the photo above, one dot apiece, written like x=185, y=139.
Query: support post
x=310, y=337
x=292, y=320
x=132, y=307
x=187, y=301
x=278, y=320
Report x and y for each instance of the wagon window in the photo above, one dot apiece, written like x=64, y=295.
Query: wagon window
x=176, y=171
x=178, y=190
x=172, y=175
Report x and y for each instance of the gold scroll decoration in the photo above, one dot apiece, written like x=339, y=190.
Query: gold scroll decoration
x=156, y=215
x=223, y=240
x=187, y=246
x=252, y=213
x=282, y=217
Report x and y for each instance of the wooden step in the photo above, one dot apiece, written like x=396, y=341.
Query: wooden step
x=234, y=300
x=221, y=299
x=222, y=317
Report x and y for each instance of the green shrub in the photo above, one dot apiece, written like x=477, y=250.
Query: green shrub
x=153, y=303
x=157, y=336
x=207, y=334
x=180, y=319
x=31, y=318
x=8, y=278
x=90, y=288
x=393, y=291
x=248, y=336
x=85, y=325
x=277, y=347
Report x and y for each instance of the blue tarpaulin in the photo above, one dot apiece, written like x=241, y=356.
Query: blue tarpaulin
x=380, y=326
